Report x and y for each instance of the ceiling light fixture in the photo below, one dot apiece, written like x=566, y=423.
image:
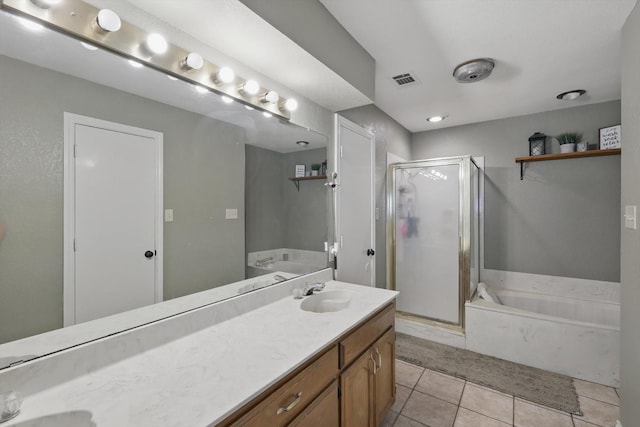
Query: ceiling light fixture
x=289, y=105
x=473, y=70
x=302, y=143
x=436, y=119
x=108, y=20
x=250, y=87
x=225, y=75
x=193, y=61
x=157, y=44
x=571, y=95
x=270, y=97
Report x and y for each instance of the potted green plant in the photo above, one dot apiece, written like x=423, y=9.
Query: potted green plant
x=568, y=141
x=315, y=169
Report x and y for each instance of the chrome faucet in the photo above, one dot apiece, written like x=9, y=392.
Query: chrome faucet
x=311, y=288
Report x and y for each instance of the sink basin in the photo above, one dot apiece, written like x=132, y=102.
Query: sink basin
x=327, y=301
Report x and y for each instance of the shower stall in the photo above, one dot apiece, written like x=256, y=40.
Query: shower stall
x=434, y=242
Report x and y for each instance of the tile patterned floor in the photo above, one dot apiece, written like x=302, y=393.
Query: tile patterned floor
x=429, y=398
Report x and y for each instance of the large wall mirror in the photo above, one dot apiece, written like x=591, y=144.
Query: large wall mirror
x=219, y=160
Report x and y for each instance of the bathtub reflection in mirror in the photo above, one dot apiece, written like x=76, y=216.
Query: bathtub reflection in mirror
x=217, y=156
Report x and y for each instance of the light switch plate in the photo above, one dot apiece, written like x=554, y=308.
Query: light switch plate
x=231, y=214
x=630, y=217
x=168, y=215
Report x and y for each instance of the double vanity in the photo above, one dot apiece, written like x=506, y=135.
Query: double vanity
x=260, y=359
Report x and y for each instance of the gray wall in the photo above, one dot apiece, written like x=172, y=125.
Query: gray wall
x=390, y=137
x=309, y=24
x=563, y=219
x=203, y=175
x=277, y=214
x=630, y=242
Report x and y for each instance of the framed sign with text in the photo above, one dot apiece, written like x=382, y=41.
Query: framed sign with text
x=610, y=137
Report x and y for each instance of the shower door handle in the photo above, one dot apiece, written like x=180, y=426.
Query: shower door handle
x=371, y=252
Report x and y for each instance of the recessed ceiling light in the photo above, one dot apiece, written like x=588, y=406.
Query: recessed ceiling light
x=302, y=143
x=571, y=95
x=435, y=119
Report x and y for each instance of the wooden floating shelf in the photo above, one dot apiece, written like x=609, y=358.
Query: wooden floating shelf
x=296, y=181
x=559, y=156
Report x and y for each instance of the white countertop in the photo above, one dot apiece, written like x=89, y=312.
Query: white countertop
x=201, y=378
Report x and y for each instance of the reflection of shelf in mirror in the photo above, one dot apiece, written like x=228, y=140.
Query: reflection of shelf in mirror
x=558, y=156
x=296, y=181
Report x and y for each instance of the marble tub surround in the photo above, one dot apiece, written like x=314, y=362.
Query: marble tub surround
x=199, y=377
x=60, y=339
x=297, y=260
x=571, y=287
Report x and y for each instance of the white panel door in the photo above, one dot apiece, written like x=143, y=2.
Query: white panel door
x=115, y=226
x=356, y=204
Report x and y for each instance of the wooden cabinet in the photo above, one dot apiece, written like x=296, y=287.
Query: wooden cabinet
x=368, y=385
x=351, y=384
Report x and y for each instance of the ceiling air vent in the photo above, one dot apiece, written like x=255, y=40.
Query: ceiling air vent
x=404, y=80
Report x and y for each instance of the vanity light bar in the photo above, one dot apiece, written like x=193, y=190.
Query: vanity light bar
x=80, y=20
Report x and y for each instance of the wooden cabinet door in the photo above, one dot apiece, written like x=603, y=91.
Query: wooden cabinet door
x=385, y=388
x=357, y=393
x=324, y=411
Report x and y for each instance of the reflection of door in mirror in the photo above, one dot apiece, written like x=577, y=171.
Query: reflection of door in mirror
x=356, y=204
x=113, y=191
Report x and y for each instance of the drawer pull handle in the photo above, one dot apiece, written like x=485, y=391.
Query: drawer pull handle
x=379, y=358
x=291, y=405
x=375, y=367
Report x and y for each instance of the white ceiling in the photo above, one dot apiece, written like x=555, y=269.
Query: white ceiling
x=541, y=48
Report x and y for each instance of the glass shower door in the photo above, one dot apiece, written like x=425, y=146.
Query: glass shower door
x=427, y=240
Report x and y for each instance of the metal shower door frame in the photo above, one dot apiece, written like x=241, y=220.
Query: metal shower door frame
x=465, y=205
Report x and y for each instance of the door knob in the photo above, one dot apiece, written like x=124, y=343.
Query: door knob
x=370, y=252
x=148, y=254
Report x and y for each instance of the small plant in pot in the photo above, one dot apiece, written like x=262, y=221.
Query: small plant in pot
x=568, y=141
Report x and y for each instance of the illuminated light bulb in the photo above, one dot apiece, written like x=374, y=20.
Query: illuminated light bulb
x=225, y=75
x=29, y=25
x=270, y=97
x=135, y=64
x=250, y=87
x=157, y=44
x=291, y=104
x=89, y=46
x=435, y=119
x=108, y=20
x=194, y=61
x=267, y=115
x=226, y=99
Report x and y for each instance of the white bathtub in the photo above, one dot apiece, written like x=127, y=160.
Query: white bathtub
x=575, y=332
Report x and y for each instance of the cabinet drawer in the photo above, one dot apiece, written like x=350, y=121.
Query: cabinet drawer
x=355, y=344
x=324, y=411
x=279, y=408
